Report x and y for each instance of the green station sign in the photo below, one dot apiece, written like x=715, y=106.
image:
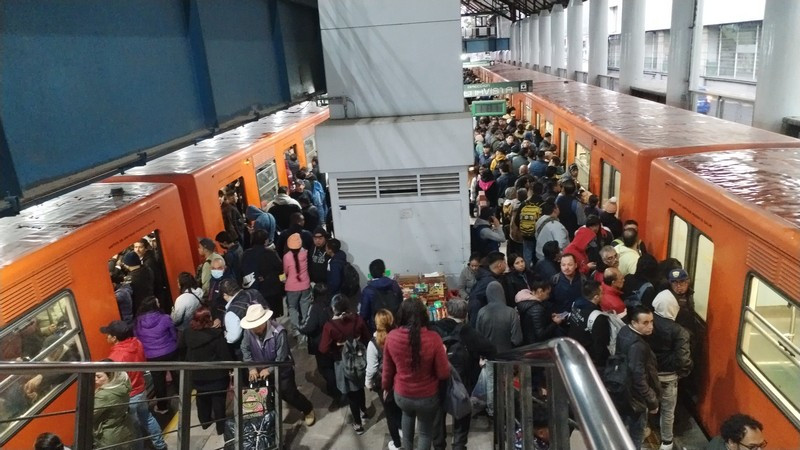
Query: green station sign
x=489, y=89
x=482, y=63
x=482, y=108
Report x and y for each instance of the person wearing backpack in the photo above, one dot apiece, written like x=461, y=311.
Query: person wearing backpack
x=526, y=220
x=643, y=389
x=414, y=363
x=639, y=287
x=380, y=293
x=384, y=323
x=336, y=265
x=596, y=338
x=548, y=228
x=318, y=315
x=345, y=338
x=465, y=346
x=486, y=233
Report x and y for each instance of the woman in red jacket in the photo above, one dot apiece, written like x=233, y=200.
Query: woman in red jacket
x=414, y=362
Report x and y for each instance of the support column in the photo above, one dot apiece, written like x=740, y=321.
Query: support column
x=686, y=15
x=598, y=40
x=574, y=38
x=697, y=66
x=526, y=43
x=544, y=40
x=632, y=42
x=557, y=37
x=777, y=90
x=535, y=41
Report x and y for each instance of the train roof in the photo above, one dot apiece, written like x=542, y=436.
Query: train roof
x=514, y=73
x=194, y=157
x=767, y=179
x=43, y=224
x=645, y=124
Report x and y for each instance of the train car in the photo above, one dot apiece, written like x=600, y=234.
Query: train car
x=252, y=160
x=613, y=138
x=732, y=219
x=55, y=289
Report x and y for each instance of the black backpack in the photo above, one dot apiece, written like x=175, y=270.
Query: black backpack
x=616, y=377
x=350, y=277
x=476, y=243
x=385, y=299
x=377, y=378
x=457, y=352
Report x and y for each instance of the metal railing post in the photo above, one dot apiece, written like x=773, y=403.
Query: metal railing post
x=185, y=424
x=84, y=411
x=238, y=425
x=557, y=403
x=278, y=410
x=526, y=406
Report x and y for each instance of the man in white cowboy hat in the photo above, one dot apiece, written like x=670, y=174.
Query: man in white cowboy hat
x=265, y=341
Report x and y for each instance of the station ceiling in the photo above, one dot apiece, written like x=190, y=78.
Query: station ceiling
x=510, y=9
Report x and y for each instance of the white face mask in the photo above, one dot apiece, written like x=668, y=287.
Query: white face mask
x=216, y=273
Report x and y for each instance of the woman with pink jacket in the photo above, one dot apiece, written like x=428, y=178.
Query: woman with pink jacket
x=298, y=282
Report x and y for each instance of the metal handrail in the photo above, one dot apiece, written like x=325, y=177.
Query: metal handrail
x=571, y=374
x=21, y=368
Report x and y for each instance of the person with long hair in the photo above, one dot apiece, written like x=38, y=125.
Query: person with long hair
x=319, y=314
x=414, y=362
x=202, y=342
x=160, y=341
x=344, y=326
x=186, y=303
x=384, y=323
x=112, y=423
x=298, y=282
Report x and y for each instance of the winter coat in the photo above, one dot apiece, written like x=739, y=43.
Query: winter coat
x=595, y=341
x=297, y=278
x=611, y=299
x=535, y=320
x=130, y=350
x=546, y=269
x=112, y=423
x=336, y=272
x=466, y=281
x=670, y=342
x=476, y=344
x=497, y=321
x=318, y=316
x=318, y=265
x=142, y=283
x=282, y=208
x=490, y=188
x=515, y=282
x=570, y=213
x=262, y=221
x=632, y=284
x=477, y=298
x=583, y=237
x=340, y=329
x=628, y=258
x=233, y=220
x=611, y=222
x=157, y=334
x=207, y=344
x=551, y=230
x=645, y=386
x=184, y=308
x=382, y=284
x=398, y=374
x=565, y=292
x=267, y=267
x=124, y=296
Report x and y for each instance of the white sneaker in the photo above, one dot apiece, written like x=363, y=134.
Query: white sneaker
x=669, y=446
x=393, y=447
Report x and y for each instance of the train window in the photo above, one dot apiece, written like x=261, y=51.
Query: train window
x=583, y=158
x=695, y=251
x=611, y=182
x=267, y=179
x=770, y=344
x=538, y=121
x=563, y=145
x=51, y=332
x=310, y=145
x=548, y=127
x=528, y=113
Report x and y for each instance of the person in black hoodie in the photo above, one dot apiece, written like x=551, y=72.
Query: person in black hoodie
x=282, y=208
x=477, y=347
x=318, y=257
x=537, y=320
x=335, y=266
x=640, y=287
x=201, y=342
x=596, y=340
x=297, y=223
x=550, y=265
x=517, y=279
x=320, y=313
x=262, y=268
x=492, y=269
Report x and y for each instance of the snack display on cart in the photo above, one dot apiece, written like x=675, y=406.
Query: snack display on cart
x=432, y=287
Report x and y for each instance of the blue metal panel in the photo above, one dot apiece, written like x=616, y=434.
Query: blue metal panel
x=241, y=56
x=302, y=46
x=85, y=82
x=484, y=45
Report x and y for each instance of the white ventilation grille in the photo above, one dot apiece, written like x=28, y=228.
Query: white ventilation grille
x=398, y=186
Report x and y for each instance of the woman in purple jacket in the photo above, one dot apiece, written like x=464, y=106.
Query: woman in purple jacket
x=160, y=341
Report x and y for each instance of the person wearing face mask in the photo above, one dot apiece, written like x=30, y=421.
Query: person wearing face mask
x=214, y=299
x=207, y=250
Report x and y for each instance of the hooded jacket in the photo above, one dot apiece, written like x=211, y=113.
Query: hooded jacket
x=366, y=310
x=340, y=329
x=266, y=266
x=497, y=321
x=318, y=265
x=477, y=347
x=534, y=317
x=206, y=344
x=583, y=237
x=645, y=387
x=477, y=297
x=318, y=315
x=670, y=341
x=262, y=221
x=282, y=208
x=611, y=299
x=124, y=296
x=185, y=306
x=130, y=350
x=157, y=334
x=336, y=272
x=628, y=258
x=596, y=340
x=111, y=422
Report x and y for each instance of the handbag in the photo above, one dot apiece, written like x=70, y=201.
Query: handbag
x=457, y=400
x=254, y=400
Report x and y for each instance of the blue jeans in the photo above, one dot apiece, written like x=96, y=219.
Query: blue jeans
x=529, y=252
x=141, y=412
x=299, y=303
x=425, y=409
x=669, y=398
x=635, y=423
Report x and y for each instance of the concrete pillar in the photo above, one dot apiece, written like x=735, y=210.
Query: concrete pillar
x=574, y=38
x=535, y=42
x=598, y=40
x=685, y=17
x=526, y=42
x=697, y=65
x=557, y=37
x=632, y=44
x=544, y=40
x=777, y=90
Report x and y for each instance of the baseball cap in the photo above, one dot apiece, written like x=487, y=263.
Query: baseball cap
x=677, y=275
x=118, y=329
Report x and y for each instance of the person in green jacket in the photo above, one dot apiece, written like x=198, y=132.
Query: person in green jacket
x=112, y=423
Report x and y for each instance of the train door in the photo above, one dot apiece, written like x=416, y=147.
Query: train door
x=267, y=180
x=610, y=182
x=153, y=278
x=233, y=203
x=50, y=332
x=582, y=157
x=538, y=121
x=310, y=146
x=695, y=251
x=292, y=165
